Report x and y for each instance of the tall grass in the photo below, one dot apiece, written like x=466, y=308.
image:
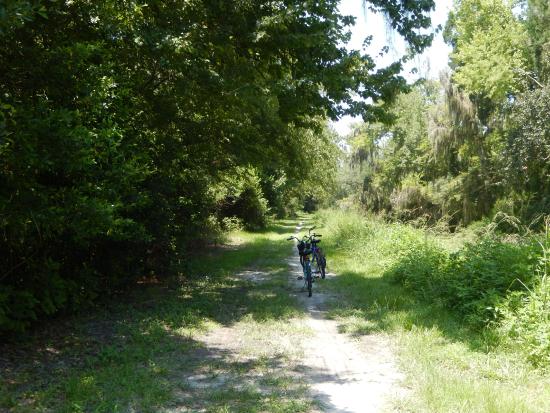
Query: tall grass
x=365, y=237
x=526, y=314
x=489, y=283
x=469, y=311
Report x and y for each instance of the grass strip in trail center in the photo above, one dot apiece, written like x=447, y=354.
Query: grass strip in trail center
x=211, y=340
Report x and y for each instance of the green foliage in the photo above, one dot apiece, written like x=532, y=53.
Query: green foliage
x=528, y=149
x=386, y=157
x=245, y=201
x=490, y=284
x=485, y=35
x=525, y=321
x=120, y=121
x=538, y=28
x=476, y=143
x=412, y=201
x=484, y=272
x=449, y=366
x=526, y=314
x=472, y=281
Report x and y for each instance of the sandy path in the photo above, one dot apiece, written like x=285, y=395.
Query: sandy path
x=345, y=375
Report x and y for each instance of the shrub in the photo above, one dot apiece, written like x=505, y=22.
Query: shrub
x=492, y=283
x=347, y=229
x=422, y=269
x=232, y=224
x=526, y=313
x=483, y=273
x=472, y=281
x=245, y=201
x=526, y=322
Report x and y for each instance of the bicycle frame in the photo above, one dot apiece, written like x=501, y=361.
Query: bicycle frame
x=310, y=253
x=305, y=261
x=308, y=277
x=317, y=256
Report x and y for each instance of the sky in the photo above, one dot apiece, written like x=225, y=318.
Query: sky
x=429, y=64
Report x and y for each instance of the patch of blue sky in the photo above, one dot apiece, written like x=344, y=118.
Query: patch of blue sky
x=429, y=64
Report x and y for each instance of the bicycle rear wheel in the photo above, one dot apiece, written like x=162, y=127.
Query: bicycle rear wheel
x=320, y=265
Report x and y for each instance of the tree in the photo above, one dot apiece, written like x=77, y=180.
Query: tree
x=394, y=162
x=489, y=55
x=528, y=154
x=538, y=29
x=118, y=119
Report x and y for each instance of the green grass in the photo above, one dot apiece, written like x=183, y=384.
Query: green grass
x=149, y=351
x=449, y=375
x=137, y=353
x=449, y=367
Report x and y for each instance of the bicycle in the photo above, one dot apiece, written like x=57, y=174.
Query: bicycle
x=304, y=250
x=308, y=246
x=317, y=253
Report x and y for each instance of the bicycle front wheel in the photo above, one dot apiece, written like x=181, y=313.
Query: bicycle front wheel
x=309, y=280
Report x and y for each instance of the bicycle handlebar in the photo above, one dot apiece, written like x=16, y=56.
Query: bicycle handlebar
x=312, y=236
x=305, y=237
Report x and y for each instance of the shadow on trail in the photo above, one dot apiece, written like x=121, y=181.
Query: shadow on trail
x=132, y=354
x=171, y=373
x=217, y=380
x=141, y=353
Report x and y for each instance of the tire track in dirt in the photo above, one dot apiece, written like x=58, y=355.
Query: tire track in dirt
x=346, y=375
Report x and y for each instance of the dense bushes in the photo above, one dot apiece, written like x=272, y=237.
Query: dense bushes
x=245, y=200
x=526, y=313
x=473, y=281
x=527, y=154
x=489, y=282
x=526, y=322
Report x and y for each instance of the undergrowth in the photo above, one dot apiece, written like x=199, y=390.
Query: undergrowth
x=469, y=310
x=490, y=283
x=146, y=352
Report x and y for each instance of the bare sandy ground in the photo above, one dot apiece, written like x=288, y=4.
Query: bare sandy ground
x=346, y=374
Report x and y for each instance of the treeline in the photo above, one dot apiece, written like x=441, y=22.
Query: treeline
x=132, y=131
x=477, y=142
x=471, y=150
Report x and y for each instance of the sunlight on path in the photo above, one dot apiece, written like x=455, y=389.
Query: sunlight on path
x=346, y=375
x=289, y=364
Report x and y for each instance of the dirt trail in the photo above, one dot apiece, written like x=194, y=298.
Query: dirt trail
x=345, y=375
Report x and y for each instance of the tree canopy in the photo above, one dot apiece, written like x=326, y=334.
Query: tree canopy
x=130, y=130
